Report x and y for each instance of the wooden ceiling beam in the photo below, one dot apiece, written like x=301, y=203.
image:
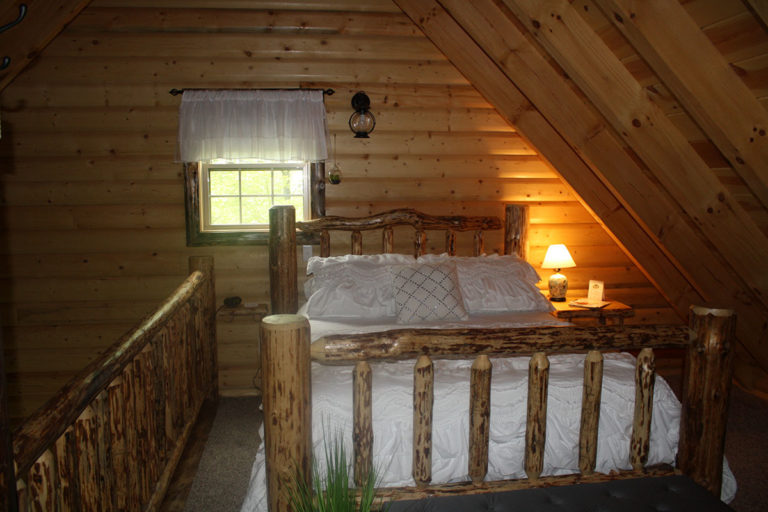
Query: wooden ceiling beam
x=553, y=96
x=666, y=37
x=496, y=87
x=760, y=8
x=22, y=43
x=609, y=86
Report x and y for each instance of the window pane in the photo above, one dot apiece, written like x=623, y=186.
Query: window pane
x=296, y=201
x=224, y=183
x=288, y=182
x=256, y=182
x=225, y=210
x=256, y=210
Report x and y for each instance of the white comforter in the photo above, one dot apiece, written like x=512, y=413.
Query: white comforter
x=393, y=416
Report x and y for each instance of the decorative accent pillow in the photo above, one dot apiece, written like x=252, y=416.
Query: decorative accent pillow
x=352, y=286
x=495, y=284
x=427, y=292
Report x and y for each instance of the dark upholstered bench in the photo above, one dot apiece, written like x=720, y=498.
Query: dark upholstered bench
x=662, y=494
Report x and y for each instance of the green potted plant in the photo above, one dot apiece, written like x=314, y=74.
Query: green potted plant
x=331, y=490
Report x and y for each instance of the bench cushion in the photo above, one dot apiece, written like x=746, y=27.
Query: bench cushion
x=663, y=494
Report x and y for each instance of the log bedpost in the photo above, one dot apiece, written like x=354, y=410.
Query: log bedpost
x=362, y=433
x=283, y=281
x=516, y=230
x=423, y=400
x=645, y=378
x=590, y=411
x=536, y=426
x=706, y=391
x=479, y=417
x=285, y=363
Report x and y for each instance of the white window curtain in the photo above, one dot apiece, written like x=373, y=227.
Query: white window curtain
x=258, y=124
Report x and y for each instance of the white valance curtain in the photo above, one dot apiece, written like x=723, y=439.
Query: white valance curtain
x=274, y=125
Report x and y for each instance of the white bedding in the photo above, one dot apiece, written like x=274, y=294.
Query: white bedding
x=393, y=413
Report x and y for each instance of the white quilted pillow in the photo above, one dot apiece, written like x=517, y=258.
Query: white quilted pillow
x=352, y=286
x=494, y=284
x=427, y=292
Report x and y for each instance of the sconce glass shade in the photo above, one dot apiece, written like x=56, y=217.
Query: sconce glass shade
x=558, y=257
x=362, y=121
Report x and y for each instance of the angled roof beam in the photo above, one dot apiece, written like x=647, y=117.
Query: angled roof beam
x=760, y=8
x=666, y=37
x=572, y=43
x=43, y=22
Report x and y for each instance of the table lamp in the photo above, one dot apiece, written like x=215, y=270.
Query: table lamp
x=558, y=257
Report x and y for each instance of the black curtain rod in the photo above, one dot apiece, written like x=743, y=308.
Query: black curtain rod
x=329, y=92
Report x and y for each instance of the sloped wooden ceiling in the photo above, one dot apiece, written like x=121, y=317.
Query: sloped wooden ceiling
x=610, y=92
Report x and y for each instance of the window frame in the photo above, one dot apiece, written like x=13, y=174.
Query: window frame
x=196, y=236
x=206, y=194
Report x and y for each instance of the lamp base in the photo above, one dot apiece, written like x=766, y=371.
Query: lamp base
x=558, y=286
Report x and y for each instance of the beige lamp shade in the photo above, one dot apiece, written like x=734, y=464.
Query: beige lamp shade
x=558, y=257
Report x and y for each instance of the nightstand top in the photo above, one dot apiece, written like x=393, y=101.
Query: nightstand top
x=615, y=309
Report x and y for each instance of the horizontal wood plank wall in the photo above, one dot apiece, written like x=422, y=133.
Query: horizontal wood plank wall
x=93, y=211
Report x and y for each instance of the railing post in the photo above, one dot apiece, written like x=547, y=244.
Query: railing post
x=283, y=281
x=706, y=391
x=285, y=363
x=205, y=265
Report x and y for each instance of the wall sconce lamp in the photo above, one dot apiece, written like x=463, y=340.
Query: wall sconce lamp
x=558, y=257
x=361, y=122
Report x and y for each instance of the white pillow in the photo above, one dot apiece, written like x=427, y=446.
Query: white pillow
x=494, y=284
x=426, y=293
x=352, y=286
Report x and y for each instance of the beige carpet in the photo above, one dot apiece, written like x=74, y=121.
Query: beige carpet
x=222, y=477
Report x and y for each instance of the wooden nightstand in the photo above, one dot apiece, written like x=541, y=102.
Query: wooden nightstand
x=615, y=310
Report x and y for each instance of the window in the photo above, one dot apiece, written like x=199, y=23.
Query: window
x=237, y=197
x=228, y=204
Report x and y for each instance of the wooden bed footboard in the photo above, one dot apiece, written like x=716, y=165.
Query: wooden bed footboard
x=286, y=362
x=111, y=438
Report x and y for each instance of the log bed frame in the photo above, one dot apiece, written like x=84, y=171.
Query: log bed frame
x=286, y=356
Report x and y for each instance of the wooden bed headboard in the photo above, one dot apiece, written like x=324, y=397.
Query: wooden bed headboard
x=282, y=241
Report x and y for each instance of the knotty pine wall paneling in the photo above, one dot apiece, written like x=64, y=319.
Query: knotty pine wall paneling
x=92, y=200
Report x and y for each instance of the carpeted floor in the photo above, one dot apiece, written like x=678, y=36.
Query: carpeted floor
x=746, y=448
x=222, y=478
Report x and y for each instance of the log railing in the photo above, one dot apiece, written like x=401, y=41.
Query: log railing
x=285, y=344
x=111, y=438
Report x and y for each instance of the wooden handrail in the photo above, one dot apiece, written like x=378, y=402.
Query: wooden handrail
x=49, y=422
